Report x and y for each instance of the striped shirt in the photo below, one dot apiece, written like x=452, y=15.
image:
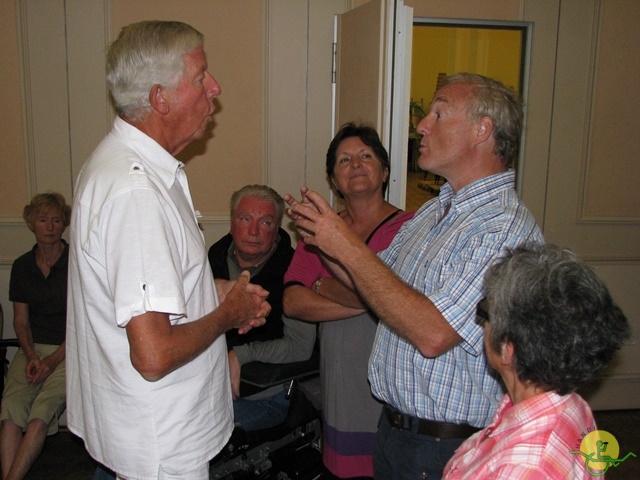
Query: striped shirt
x=445, y=257
x=532, y=439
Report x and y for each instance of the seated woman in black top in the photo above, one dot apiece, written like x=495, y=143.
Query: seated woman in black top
x=34, y=394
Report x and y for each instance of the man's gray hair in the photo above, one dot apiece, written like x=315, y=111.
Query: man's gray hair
x=145, y=54
x=259, y=191
x=494, y=100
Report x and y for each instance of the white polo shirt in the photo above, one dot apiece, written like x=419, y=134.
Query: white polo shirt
x=136, y=247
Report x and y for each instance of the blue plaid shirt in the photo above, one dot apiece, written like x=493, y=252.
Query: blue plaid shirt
x=445, y=258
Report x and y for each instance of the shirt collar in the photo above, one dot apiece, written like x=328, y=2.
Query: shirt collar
x=510, y=416
x=475, y=191
x=163, y=164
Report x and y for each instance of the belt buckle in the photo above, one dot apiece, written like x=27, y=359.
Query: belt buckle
x=396, y=420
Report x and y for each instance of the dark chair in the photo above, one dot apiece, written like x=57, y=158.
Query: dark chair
x=4, y=345
x=257, y=376
x=258, y=453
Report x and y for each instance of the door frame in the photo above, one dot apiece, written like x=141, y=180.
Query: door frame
x=398, y=177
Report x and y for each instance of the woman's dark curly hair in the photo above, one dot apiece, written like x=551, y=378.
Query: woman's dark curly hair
x=558, y=315
x=369, y=137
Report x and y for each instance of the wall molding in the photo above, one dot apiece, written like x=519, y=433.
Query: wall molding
x=45, y=91
x=29, y=148
x=616, y=260
x=582, y=217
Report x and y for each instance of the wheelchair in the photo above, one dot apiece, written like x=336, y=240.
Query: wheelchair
x=290, y=450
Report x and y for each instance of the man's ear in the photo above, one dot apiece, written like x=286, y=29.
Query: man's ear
x=158, y=99
x=484, y=129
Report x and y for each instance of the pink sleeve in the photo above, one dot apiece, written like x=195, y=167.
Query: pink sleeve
x=305, y=266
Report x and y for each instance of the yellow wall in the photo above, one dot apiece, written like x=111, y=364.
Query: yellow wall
x=449, y=50
x=429, y=57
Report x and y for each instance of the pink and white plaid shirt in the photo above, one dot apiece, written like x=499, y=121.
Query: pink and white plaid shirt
x=529, y=440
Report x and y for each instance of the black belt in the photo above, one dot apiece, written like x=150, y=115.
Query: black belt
x=428, y=427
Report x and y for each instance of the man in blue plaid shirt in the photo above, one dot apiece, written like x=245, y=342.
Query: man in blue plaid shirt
x=428, y=366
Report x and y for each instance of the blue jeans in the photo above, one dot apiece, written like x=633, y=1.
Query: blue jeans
x=408, y=455
x=256, y=414
x=102, y=473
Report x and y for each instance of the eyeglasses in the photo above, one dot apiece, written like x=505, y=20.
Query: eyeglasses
x=482, y=312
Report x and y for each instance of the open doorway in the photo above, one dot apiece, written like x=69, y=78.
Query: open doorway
x=444, y=48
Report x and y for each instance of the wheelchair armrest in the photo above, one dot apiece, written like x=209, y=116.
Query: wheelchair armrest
x=264, y=375
x=9, y=342
x=4, y=344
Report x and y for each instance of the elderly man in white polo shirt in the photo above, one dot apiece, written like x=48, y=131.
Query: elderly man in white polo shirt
x=148, y=385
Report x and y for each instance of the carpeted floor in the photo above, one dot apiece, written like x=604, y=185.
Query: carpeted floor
x=63, y=458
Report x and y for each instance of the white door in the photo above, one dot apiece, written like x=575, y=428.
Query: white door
x=373, y=61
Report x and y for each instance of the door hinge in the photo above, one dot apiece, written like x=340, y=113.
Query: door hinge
x=334, y=47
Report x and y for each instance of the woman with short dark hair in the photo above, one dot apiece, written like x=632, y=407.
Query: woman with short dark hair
x=357, y=166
